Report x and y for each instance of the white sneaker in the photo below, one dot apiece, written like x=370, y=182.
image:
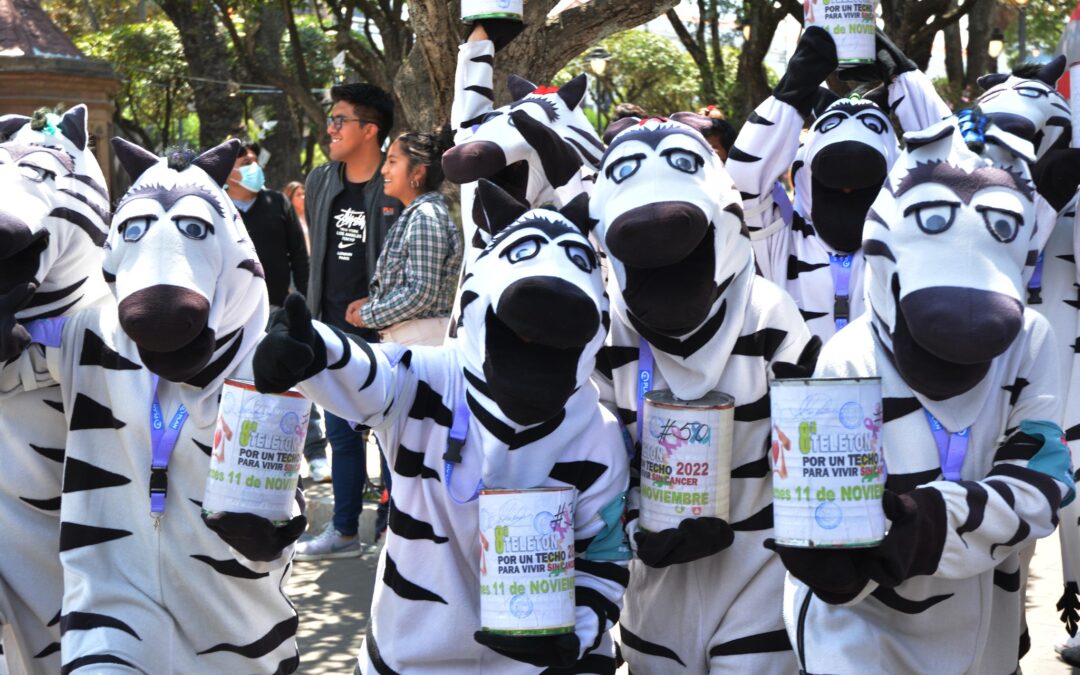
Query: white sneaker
x=328, y=545
x=319, y=470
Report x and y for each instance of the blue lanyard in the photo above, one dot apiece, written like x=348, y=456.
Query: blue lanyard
x=783, y=203
x=1035, y=285
x=163, y=440
x=455, y=442
x=952, y=446
x=840, y=266
x=645, y=381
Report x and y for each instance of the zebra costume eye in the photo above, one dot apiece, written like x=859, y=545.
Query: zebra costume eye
x=133, y=229
x=523, y=250
x=624, y=168
x=684, y=160
x=933, y=217
x=581, y=256
x=193, y=228
x=36, y=173
x=1003, y=225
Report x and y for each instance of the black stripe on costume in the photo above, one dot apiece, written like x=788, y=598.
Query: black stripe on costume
x=626, y=415
x=741, y=156
x=603, y=570
x=80, y=475
x=206, y=449
x=408, y=527
x=763, y=343
x=755, y=118
x=55, y=405
x=1073, y=432
x=759, y=468
x=77, y=535
x=1003, y=490
x=92, y=184
x=216, y=367
x=895, y=408
x=91, y=659
x=976, y=504
x=582, y=474
x=587, y=136
x=611, y=358
x=486, y=92
x=795, y=267
x=807, y=315
x=505, y=433
x=289, y=665
x=428, y=405
x=253, y=266
x=1015, y=389
x=46, y=298
x=1040, y=481
x=96, y=353
x=405, y=588
x=483, y=58
x=477, y=384
x=49, y=650
x=467, y=297
x=98, y=211
x=82, y=222
x=48, y=314
x=590, y=664
x=906, y=482
x=1007, y=581
x=273, y=639
x=230, y=568
x=772, y=641
x=893, y=600
x=873, y=215
x=410, y=464
x=90, y=621
x=752, y=412
x=642, y=645
x=52, y=504
x=375, y=655
x=762, y=520
x=53, y=454
x=878, y=248
x=586, y=156
x=605, y=609
x=1022, y=532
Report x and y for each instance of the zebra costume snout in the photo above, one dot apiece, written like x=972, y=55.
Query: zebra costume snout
x=549, y=311
x=657, y=234
x=164, y=318
x=473, y=161
x=849, y=165
x=960, y=325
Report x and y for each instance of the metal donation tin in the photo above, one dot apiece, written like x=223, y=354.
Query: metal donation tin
x=255, y=461
x=473, y=10
x=527, y=561
x=851, y=24
x=685, y=458
x=827, y=461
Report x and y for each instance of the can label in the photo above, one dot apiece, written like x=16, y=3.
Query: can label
x=851, y=24
x=255, y=461
x=685, y=461
x=527, y=561
x=828, y=466
x=473, y=10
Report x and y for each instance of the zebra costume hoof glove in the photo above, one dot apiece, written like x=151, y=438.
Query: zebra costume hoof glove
x=694, y=539
x=13, y=336
x=255, y=537
x=499, y=31
x=836, y=575
x=813, y=61
x=291, y=352
x=915, y=540
x=1057, y=176
x=542, y=651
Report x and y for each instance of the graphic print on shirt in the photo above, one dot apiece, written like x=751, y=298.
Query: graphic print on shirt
x=351, y=228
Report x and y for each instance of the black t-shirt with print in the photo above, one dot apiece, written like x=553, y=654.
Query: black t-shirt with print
x=345, y=272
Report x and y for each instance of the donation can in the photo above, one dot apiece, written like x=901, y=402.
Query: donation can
x=474, y=10
x=851, y=24
x=527, y=561
x=258, y=443
x=685, y=458
x=827, y=462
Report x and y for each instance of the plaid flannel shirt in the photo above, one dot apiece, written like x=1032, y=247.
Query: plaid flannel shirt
x=418, y=268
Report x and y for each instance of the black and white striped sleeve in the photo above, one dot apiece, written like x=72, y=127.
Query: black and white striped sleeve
x=474, y=95
x=917, y=103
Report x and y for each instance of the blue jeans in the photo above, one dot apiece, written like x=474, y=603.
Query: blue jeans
x=349, y=472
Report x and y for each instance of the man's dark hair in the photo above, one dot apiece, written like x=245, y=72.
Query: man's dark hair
x=250, y=145
x=371, y=104
x=725, y=132
x=628, y=110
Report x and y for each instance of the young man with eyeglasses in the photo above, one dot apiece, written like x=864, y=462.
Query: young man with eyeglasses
x=348, y=218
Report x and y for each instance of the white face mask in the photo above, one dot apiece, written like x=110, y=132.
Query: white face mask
x=252, y=177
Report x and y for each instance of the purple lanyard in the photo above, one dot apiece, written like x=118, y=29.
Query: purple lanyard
x=952, y=447
x=840, y=266
x=645, y=381
x=455, y=442
x=163, y=439
x=783, y=204
x=1035, y=285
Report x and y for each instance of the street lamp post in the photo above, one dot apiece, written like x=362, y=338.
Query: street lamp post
x=1021, y=28
x=995, y=47
x=597, y=60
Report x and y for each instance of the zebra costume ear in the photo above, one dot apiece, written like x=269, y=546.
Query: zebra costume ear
x=519, y=87
x=134, y=159
x=498, y=208
x=577, y=212
x=987, y=82
x=879, y=96
x=218, y=161
x=9, y=124
x=618, y=126
x=73, y=126
x=1052, y=72
x=822, y=100
x=573, y=91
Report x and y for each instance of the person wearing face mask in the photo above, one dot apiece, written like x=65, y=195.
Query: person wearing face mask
x=272, y=224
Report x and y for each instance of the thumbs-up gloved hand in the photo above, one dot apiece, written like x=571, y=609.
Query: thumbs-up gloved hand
x=292, y=350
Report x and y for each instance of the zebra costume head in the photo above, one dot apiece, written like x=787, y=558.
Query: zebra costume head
x=189, y=287
x=534, y=311
x=840, y=168
x=671, y=223
x=1026, y=104
x=946, y=244
x=55, y=212
x=499, y=152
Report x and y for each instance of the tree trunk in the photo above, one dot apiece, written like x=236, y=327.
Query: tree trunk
x=204, y=49
x=954, y=53
x=980, y=26
x=283, y=141
x=912, y=24
x=764, y=17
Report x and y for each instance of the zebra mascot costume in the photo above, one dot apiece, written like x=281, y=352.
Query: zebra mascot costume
x=813, y=251
x=690, y=315
x=148, y=586
x=508, y=404
x=54, y=220
x=977, y=469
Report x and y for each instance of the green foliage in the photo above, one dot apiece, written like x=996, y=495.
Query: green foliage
x=1046, y=20
x=955, y=93
x=318, y=49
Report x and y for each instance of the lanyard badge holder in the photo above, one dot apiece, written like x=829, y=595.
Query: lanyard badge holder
x=163, y=438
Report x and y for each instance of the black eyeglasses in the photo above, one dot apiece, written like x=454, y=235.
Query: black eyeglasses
x=338, y=121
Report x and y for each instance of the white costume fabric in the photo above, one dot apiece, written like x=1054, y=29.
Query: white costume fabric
x=798, y=258
x=427, y=596
x=54, y=217
x=161, y=594
x=711, y=325
x=941, y=197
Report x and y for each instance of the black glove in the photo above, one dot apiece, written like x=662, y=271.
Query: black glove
x=559, y=160
x=916, y=536
x=694, y=539
x=891, y=61
x=255, y=537
x=14, y=338
x=542, y=651
x=836, y=575
x=1057, y=175
x=292, y=350
x=813, y=61
x=804, y=367
x=499, y=31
